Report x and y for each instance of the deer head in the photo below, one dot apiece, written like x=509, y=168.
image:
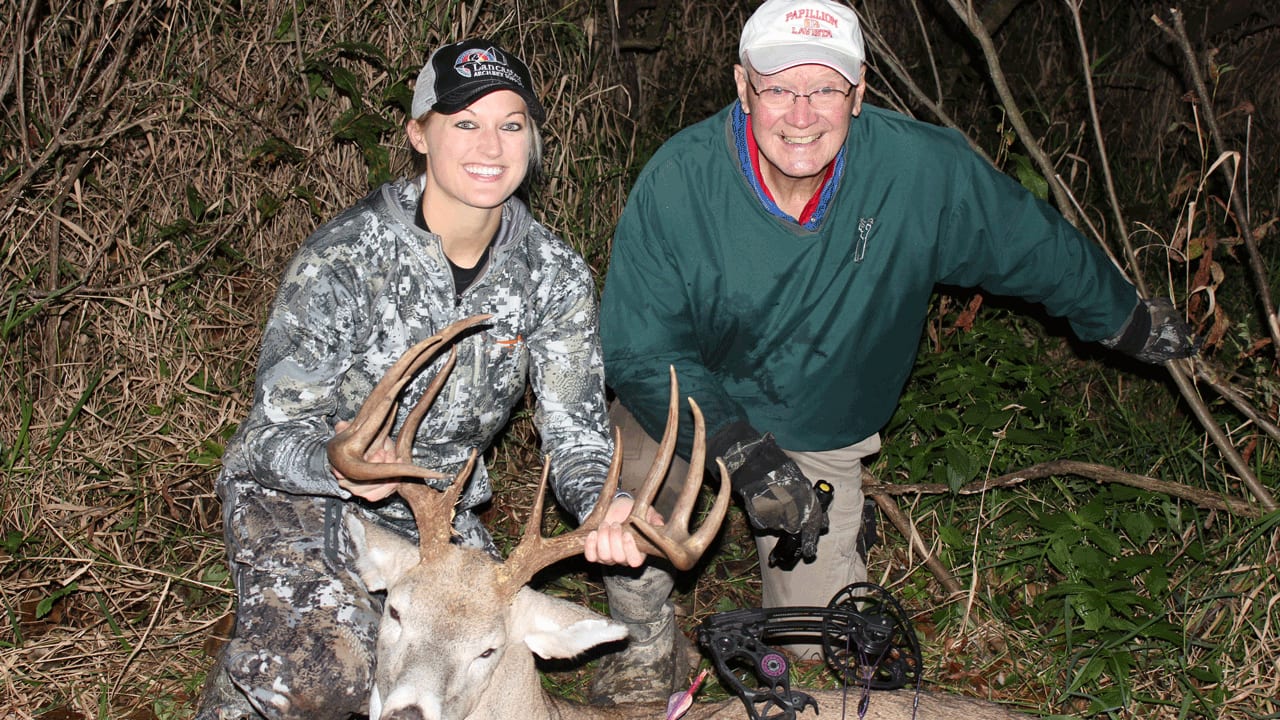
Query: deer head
x=459, y=629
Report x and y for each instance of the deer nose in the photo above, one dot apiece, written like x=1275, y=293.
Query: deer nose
x=408, y=713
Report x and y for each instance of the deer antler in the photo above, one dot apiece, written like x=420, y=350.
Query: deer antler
x=432, y=510
x=671, y=541
x=373, y=421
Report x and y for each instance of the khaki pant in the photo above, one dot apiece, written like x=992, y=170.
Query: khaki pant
x=838, y=563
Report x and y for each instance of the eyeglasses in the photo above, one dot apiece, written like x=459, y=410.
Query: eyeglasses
x=776, y=98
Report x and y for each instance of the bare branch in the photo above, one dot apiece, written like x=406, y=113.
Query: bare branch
x=969, y=16
x=1209, y=374
x=1178, y=35
x=1176, y=370
x=1093, y=471
x=889, y=506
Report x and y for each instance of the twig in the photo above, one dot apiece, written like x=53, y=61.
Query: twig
x=124, y=669
x=973, y=22
x=1073, y=6
x=1093, y=471
x=1213, y=378
x=1220, y=439
x=1178, y=34
x=928, y=48
x=890, y=508
x=1176, y=370
x=107, y=81
x=889, y=59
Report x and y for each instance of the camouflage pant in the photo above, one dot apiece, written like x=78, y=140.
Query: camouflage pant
x=305, y=624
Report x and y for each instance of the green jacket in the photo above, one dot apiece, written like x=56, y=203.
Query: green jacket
x=811, y=335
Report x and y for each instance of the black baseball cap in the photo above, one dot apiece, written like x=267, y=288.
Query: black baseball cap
x=457, y=75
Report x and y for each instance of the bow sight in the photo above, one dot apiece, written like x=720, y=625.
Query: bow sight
x=866, y=639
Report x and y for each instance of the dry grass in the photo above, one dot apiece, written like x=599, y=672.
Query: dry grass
x=167, y=159
x=161, y=160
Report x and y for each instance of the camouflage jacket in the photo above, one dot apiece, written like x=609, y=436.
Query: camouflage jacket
x=370, y=284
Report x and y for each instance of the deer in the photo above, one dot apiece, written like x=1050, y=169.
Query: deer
x=459, y=629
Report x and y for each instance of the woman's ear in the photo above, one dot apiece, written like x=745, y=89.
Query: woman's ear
x=416, y=129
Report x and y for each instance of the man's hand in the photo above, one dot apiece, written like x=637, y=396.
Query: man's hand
x=776, y=494
x=612, y=544
x=384, y=452
x=1154, y=333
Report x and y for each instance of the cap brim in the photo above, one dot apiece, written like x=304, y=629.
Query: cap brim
x=775, y=59
x=459, y=99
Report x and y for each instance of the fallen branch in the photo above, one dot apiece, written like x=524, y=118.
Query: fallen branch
x=1093, y=471
x=889, y=507
x=884, y=493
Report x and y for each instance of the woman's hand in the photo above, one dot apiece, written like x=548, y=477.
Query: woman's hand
x=373, y=491
x=611, y=544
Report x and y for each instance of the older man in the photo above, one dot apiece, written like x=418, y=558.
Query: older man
x=781, y=256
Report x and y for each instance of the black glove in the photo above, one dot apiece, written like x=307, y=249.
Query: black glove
x=777, y=496
x=1155, y=332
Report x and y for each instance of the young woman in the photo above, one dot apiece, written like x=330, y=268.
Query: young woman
x=406, y=261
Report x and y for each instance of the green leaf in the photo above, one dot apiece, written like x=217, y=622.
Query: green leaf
x=960, y=467
x=1026, y=173
x=45, y=606
x=953, y=537
x=1210, y=673
x=1091, y=607
x=284, y=29
x=1108, y=541
x=347, y=83
x=1059, y=554
x=378, y=160
x=946, y=421
x=1138, y=526
x=275, y=151
x=195, y=205
x=1022, y=436
x=1132, y=565
x=215, y=574
x=1059, y=523
x=365, y=128
x=267, y=205
x=1091, y=562
x=1125, y=602
x=1157, y=580
x=209, y=455
x=367, y=52
x=1090, y=672
x=12, y=541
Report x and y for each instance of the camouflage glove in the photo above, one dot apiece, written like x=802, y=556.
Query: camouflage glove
x=1155, y=332
x=776, y=495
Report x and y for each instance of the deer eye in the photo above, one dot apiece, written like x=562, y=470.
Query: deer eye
x=393, y=612
x=488, y=653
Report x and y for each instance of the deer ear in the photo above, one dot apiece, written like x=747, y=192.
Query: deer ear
x=554, y=628
x=382, y=556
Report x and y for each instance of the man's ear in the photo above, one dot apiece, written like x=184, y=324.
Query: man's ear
x=859, y=91
x=741, y=80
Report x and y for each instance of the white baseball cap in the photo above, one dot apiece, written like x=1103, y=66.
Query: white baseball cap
x=784, y=33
